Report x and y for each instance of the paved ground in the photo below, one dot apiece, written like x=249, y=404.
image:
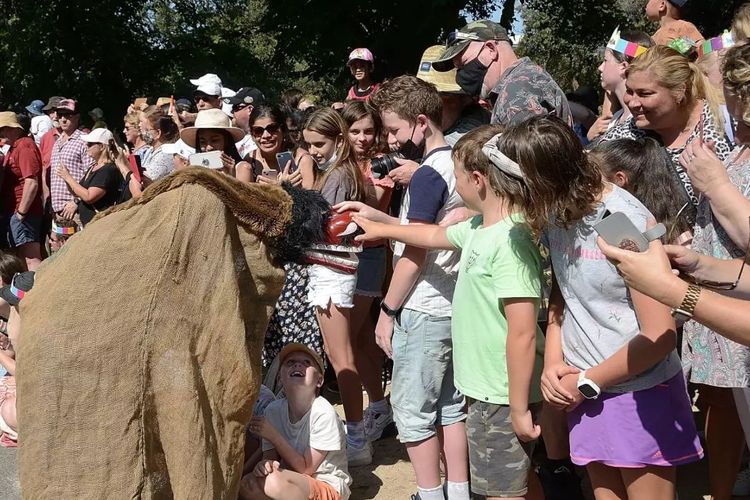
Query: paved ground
x=8, y=477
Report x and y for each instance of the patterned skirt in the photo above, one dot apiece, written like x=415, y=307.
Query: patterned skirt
x=294, y=319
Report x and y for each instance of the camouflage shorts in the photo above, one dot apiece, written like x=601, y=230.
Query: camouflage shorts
x=499, y=462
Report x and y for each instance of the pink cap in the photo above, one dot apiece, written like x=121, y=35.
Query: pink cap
x=68, y=105
x=361, y=54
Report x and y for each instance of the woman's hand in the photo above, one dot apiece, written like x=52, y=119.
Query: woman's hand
x=706, y=170
x=228, y=163
x=294, y=178
x=69, y=210
x=554, y=392
x=524, y=426
x=599, y=128
x=685, y=260
x=63, y=172
x=363, y=211
x=570, y=383
x=648, y=272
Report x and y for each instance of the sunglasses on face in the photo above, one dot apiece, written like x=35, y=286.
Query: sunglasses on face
x=91, y=144
x=239, y=107
x=271, y=128
x=203, y=97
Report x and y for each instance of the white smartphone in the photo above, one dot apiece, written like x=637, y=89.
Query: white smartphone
x=211, y=159
x=617, y=230
x=271, y=173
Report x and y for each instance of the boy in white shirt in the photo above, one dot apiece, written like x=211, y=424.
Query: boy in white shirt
x=304, y=445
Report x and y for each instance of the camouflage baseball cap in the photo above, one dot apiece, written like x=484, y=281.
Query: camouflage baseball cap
x=477, y=31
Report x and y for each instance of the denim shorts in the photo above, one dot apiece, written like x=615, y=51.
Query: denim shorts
x=371, y=272
x=422, y=392
x=498, y=461
x=17, y=233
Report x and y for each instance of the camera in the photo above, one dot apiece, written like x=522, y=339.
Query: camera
x=382, y=166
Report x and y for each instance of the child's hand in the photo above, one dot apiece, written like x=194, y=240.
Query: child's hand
x=383, y=334
x=524, y=426
x=404, y=172
x=362, y=210
x=372, y=230
x=570, y=383
x=552, y=389
x=262, y=427
x=266, y=467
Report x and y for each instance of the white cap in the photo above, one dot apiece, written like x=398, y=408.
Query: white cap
x=227, y=108
x=209, y=84
x=178, y=148
x=100, y=135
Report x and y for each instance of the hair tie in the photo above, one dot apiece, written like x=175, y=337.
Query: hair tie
x=500, y=161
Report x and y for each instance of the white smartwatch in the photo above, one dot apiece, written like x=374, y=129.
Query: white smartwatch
x=587, y=387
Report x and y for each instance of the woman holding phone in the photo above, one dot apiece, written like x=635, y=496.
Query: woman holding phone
x=213, y=132
x=269, y=131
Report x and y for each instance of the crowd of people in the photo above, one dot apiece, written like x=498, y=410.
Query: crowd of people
x=484, y=288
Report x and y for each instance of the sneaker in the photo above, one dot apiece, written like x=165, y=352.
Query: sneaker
x=742, y=483
x=359, y=456
x=560, y=482
x=376, y=423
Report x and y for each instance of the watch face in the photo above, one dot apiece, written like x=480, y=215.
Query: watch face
x=588, y=391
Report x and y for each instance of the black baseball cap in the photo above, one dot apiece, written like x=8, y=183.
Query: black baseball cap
x=19, y=285
x=246, y=95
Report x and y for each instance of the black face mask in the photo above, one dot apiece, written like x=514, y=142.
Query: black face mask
x=471, y=76
x=411, y=151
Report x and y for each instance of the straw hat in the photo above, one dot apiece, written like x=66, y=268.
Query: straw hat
x=210, y=118
x=445, y=81
x=9, y=119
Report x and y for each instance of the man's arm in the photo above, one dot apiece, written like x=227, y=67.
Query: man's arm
x=30, y=188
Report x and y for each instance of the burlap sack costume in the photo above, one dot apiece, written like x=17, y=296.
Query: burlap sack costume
x=139, y=355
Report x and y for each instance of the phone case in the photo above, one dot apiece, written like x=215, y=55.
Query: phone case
x=619, y=231
x=282, y=159
x=211, y=160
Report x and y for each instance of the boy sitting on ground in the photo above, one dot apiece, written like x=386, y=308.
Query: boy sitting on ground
x=304, y=445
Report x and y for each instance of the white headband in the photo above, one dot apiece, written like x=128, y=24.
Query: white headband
x=500, y=161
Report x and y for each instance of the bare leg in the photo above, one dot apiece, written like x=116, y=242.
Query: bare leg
x=724, y=441
x=334, y=325
x=425, y=459
x=368, y=356
x=32, y=252
x=455, y=451
x=650, y=483
x=282, y=484
x=554, y=425
x=607, y=482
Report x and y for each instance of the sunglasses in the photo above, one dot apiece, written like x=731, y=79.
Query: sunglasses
x=723, y=285
x=239, y=107
x=271, y=128
x=91, y=144
x=457, y=36
x=203, y=97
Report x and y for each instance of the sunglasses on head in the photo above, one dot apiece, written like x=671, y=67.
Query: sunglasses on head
x=457, y=36
x=271, y=128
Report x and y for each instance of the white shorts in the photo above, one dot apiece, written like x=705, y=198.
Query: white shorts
x=328, y=285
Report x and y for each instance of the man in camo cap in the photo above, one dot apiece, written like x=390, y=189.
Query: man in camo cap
x=487, y=67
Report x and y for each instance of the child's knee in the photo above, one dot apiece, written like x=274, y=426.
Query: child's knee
x=276, y=485
x=8, y=412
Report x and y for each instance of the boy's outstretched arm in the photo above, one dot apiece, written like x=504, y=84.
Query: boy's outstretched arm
x=428, y=236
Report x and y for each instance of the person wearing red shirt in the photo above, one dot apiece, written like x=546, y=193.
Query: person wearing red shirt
x=20, y=203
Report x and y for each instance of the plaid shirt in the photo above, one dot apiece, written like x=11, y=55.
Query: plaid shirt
x=72, y=153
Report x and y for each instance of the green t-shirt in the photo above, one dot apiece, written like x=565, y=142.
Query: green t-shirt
x=497, y=262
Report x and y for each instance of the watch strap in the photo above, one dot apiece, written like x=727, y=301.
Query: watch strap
x=388, y=311
x=687, y=307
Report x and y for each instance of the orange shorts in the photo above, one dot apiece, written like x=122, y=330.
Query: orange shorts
x=321, y=491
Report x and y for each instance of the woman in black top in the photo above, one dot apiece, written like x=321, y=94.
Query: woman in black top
x=100, y=186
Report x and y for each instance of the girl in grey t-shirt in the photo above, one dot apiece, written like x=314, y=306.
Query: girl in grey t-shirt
x=617, y=345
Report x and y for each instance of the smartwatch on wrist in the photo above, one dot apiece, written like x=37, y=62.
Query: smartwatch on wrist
x=393, y=313
x=588, y=387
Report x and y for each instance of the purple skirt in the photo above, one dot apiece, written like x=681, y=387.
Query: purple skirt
x=650, y=427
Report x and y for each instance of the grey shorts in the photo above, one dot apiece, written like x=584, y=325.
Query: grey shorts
x=499, y=462
x=422, y=392
x=18, y=233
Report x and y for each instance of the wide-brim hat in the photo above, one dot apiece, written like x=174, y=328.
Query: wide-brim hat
x=210, y=119
x=477, y=31
x=35, y=108
x=9, y=119
x=53, y=102
x=444, y=81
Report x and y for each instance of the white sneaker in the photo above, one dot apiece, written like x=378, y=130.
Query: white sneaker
x=359, y=456
x=742, y=483
x=376, y=423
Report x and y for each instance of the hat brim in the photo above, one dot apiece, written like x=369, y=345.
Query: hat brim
x=189, y=134
x=445, y=61
x=297, y=347
x=33, y=111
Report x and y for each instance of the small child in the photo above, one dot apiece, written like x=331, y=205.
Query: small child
x=668, y=13
x=497, y=345
x=304, y=445
x=253, y=450
x=361, y=64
